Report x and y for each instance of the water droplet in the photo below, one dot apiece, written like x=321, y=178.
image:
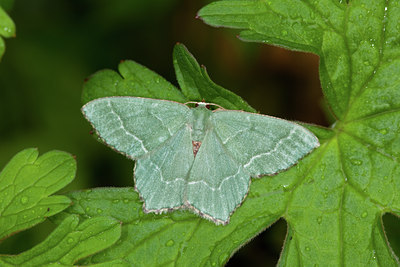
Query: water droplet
x=99, y=210
x=24, y=200
x=284, y=32
x=158, y=80
x=356, y=162
x=285, y=187
x=307, y=248
x=214, y=264
x=70, y=240
x=319, y=220
x=364, y=214
x=170, y=243
x=223, y=258
x=115, y=200
x=383, y=131
x=87, y=209
x=309, y=180
x=126, y=200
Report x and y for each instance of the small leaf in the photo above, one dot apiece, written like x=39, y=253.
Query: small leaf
x=136, y=80
x=26, y=184
x=71, y=241
x=7, y=29
x=196, y=85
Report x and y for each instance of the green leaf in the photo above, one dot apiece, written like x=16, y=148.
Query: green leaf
x=72, y=240
x=196, y=85
x=136, y=80
x=323, y=134
x=337, y=200
x=180, y=237
x=26, y=184
x=7, y=29
x=139, y=81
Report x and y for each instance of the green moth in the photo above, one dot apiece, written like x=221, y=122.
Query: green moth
x=196, y=158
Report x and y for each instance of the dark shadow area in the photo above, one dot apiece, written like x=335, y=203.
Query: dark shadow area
x=391, y=224
x=263, y=250
x=27, y=239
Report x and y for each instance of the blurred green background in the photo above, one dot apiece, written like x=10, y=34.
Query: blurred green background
x=60, y=43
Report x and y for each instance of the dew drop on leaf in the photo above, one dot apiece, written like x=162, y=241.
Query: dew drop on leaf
x=364, y=214
x=319, y=220
x=285, y=187
x=170, y=243
x=307, y=248
x=115, y=200
x=70, y=240
x=126, y=200
x=356, y=162
x=24, y=200
x=6, y=29
x=223, y=258
x=87, y=209
x=99, y=210
x=383, y=131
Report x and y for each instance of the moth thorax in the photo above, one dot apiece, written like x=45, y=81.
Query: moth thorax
x=201, y=117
